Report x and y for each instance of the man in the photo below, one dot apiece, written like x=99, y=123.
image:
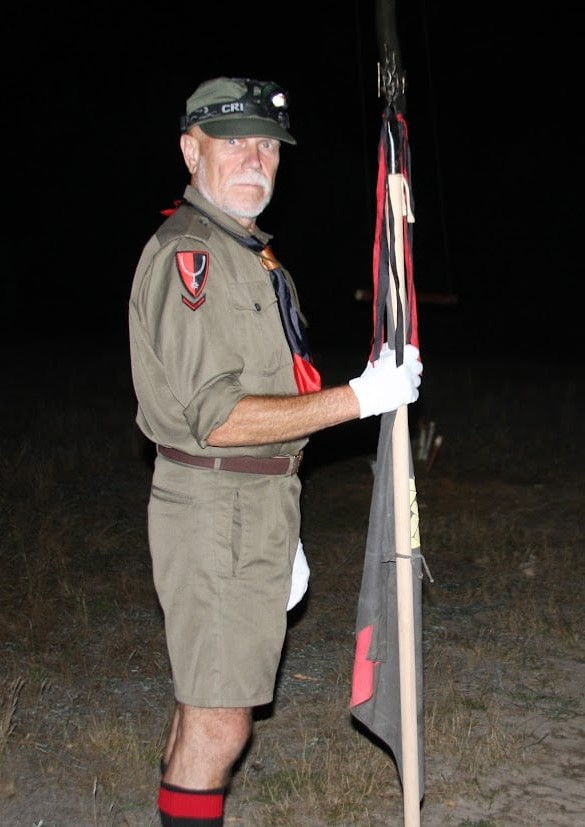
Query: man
x=227, y=391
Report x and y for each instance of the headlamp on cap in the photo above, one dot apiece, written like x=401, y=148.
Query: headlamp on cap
x=260, y=102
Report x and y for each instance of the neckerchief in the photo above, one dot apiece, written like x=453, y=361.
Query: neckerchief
x=306, y=375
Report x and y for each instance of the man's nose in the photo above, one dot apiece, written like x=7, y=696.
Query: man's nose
x=253, y=157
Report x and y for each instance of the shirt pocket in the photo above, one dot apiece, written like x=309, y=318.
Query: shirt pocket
x=259, y=329
x=256, y=297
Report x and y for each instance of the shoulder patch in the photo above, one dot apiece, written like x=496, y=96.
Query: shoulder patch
x=193, y=267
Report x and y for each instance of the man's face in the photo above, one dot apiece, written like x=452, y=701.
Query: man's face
x=238, y=174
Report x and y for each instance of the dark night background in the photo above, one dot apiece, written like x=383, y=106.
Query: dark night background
x=92, y=97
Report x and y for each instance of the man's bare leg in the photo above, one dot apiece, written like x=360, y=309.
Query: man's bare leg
x=202, y=747
x=170, y=743
x=204, y=744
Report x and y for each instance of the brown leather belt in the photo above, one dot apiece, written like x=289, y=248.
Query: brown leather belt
x=283, y=466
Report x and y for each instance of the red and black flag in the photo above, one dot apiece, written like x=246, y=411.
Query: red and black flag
x=387, y=676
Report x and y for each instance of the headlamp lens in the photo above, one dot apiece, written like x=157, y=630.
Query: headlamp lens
x=279, y=101
x=269, y=95
x=273, y=99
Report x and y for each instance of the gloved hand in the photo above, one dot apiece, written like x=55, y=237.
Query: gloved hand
x=300, y=578
x=383, y=387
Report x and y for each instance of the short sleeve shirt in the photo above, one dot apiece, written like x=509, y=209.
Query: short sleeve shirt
x=205, y=331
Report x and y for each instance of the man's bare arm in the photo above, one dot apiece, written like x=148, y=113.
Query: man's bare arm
x=259, y=420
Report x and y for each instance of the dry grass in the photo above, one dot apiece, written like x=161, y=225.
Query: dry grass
x=85, y=693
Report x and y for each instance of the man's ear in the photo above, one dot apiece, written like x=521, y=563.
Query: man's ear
x=191, y=150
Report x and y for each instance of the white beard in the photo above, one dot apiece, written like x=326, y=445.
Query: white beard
x=230, y=203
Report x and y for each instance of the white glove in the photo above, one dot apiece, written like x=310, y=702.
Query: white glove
x=300, y=578
x=383, y=387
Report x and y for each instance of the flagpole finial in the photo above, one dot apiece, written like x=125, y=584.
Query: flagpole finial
x=391, y=79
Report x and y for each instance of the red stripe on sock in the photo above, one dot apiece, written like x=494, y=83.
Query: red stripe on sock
x=190, y=803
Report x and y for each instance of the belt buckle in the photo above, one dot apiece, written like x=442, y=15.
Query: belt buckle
x=296, y=463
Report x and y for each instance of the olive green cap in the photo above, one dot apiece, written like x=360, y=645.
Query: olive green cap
x=239, y=107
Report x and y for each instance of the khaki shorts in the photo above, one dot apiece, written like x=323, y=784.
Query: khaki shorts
x=222, y=547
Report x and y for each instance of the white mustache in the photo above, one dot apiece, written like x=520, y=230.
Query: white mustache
x=254, y=178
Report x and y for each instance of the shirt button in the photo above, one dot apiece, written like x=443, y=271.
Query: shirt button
x=257, y=306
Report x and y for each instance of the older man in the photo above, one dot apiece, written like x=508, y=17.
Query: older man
x=228, y=392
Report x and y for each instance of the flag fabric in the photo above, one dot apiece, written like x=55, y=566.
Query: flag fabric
x=376, y=682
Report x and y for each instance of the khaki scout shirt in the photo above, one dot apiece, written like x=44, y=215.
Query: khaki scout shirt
x=194, y=355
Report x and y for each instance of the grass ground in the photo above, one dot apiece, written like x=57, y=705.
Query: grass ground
x=85, y=690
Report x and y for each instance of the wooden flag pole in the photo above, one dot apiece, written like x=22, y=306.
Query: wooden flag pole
x=402, y=518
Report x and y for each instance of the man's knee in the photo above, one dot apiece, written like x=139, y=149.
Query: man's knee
x=219, y=732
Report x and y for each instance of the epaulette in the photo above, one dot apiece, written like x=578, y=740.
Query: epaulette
x=185, y=222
